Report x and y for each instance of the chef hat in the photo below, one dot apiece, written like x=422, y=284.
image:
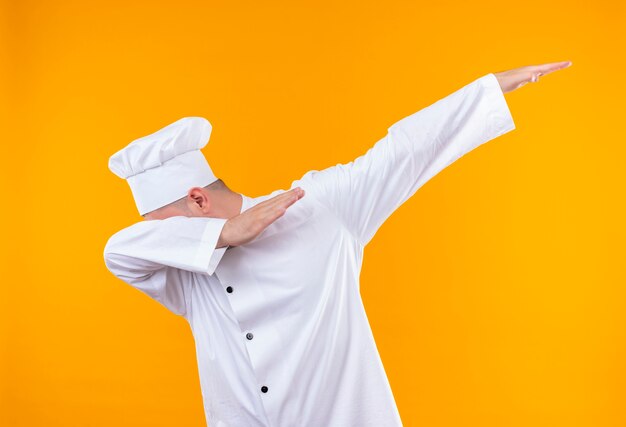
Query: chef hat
x=161, y=167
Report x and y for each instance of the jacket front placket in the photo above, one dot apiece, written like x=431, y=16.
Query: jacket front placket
x=257, y=331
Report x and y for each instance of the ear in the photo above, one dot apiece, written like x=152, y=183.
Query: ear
x=199, y=200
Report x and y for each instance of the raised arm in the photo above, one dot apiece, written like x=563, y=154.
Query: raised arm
x=366, y=191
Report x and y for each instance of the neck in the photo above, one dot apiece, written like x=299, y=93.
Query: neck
x=229, y=205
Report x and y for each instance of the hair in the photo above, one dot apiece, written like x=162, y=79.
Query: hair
x=218, y=185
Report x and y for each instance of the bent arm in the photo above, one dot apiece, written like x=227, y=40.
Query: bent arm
x=158, y=256
x=187, y=243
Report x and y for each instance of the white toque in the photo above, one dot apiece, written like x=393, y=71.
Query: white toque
x=160, y=168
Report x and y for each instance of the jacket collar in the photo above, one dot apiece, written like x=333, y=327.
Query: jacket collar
x=247, y=202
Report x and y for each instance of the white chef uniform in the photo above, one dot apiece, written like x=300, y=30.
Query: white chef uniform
x=282, y=338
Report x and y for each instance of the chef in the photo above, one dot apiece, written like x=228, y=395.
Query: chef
x=270, y=285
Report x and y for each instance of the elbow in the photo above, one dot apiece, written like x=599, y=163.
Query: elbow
x=127, y=268
x=108, y=256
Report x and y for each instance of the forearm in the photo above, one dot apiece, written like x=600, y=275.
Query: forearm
x=437, y=135
x=364, y=192
x=187, y=243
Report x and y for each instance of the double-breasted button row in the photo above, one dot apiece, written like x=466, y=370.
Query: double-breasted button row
x=249, y=335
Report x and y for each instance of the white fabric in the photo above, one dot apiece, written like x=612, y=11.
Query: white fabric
x=161, y=167
x=296, y=286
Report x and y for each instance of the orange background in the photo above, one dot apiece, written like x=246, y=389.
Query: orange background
x=496, y=294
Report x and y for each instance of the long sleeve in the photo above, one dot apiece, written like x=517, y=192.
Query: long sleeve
x=158, y=256
x=366, y=191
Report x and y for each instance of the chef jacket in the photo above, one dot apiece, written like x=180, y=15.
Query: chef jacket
x=282, y=338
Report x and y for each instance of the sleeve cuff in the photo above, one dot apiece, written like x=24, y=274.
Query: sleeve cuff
x=499, y=120
x=208, y=256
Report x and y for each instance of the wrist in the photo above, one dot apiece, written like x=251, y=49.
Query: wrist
x=223, y=241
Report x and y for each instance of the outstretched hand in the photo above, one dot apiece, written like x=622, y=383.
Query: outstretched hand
x=246, y=226
x=512, y=79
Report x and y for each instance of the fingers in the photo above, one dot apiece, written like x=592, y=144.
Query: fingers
x=298, y=193
x=273, y=208
x=278, y=207
x=290, y=197
x=284, y=199
x=544, y=69
x=513, y=79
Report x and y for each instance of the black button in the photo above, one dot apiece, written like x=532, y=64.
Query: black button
x=249, y=335
x=264, y=389
x=229, y=289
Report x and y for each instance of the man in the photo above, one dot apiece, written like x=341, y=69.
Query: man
x=270, y=285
